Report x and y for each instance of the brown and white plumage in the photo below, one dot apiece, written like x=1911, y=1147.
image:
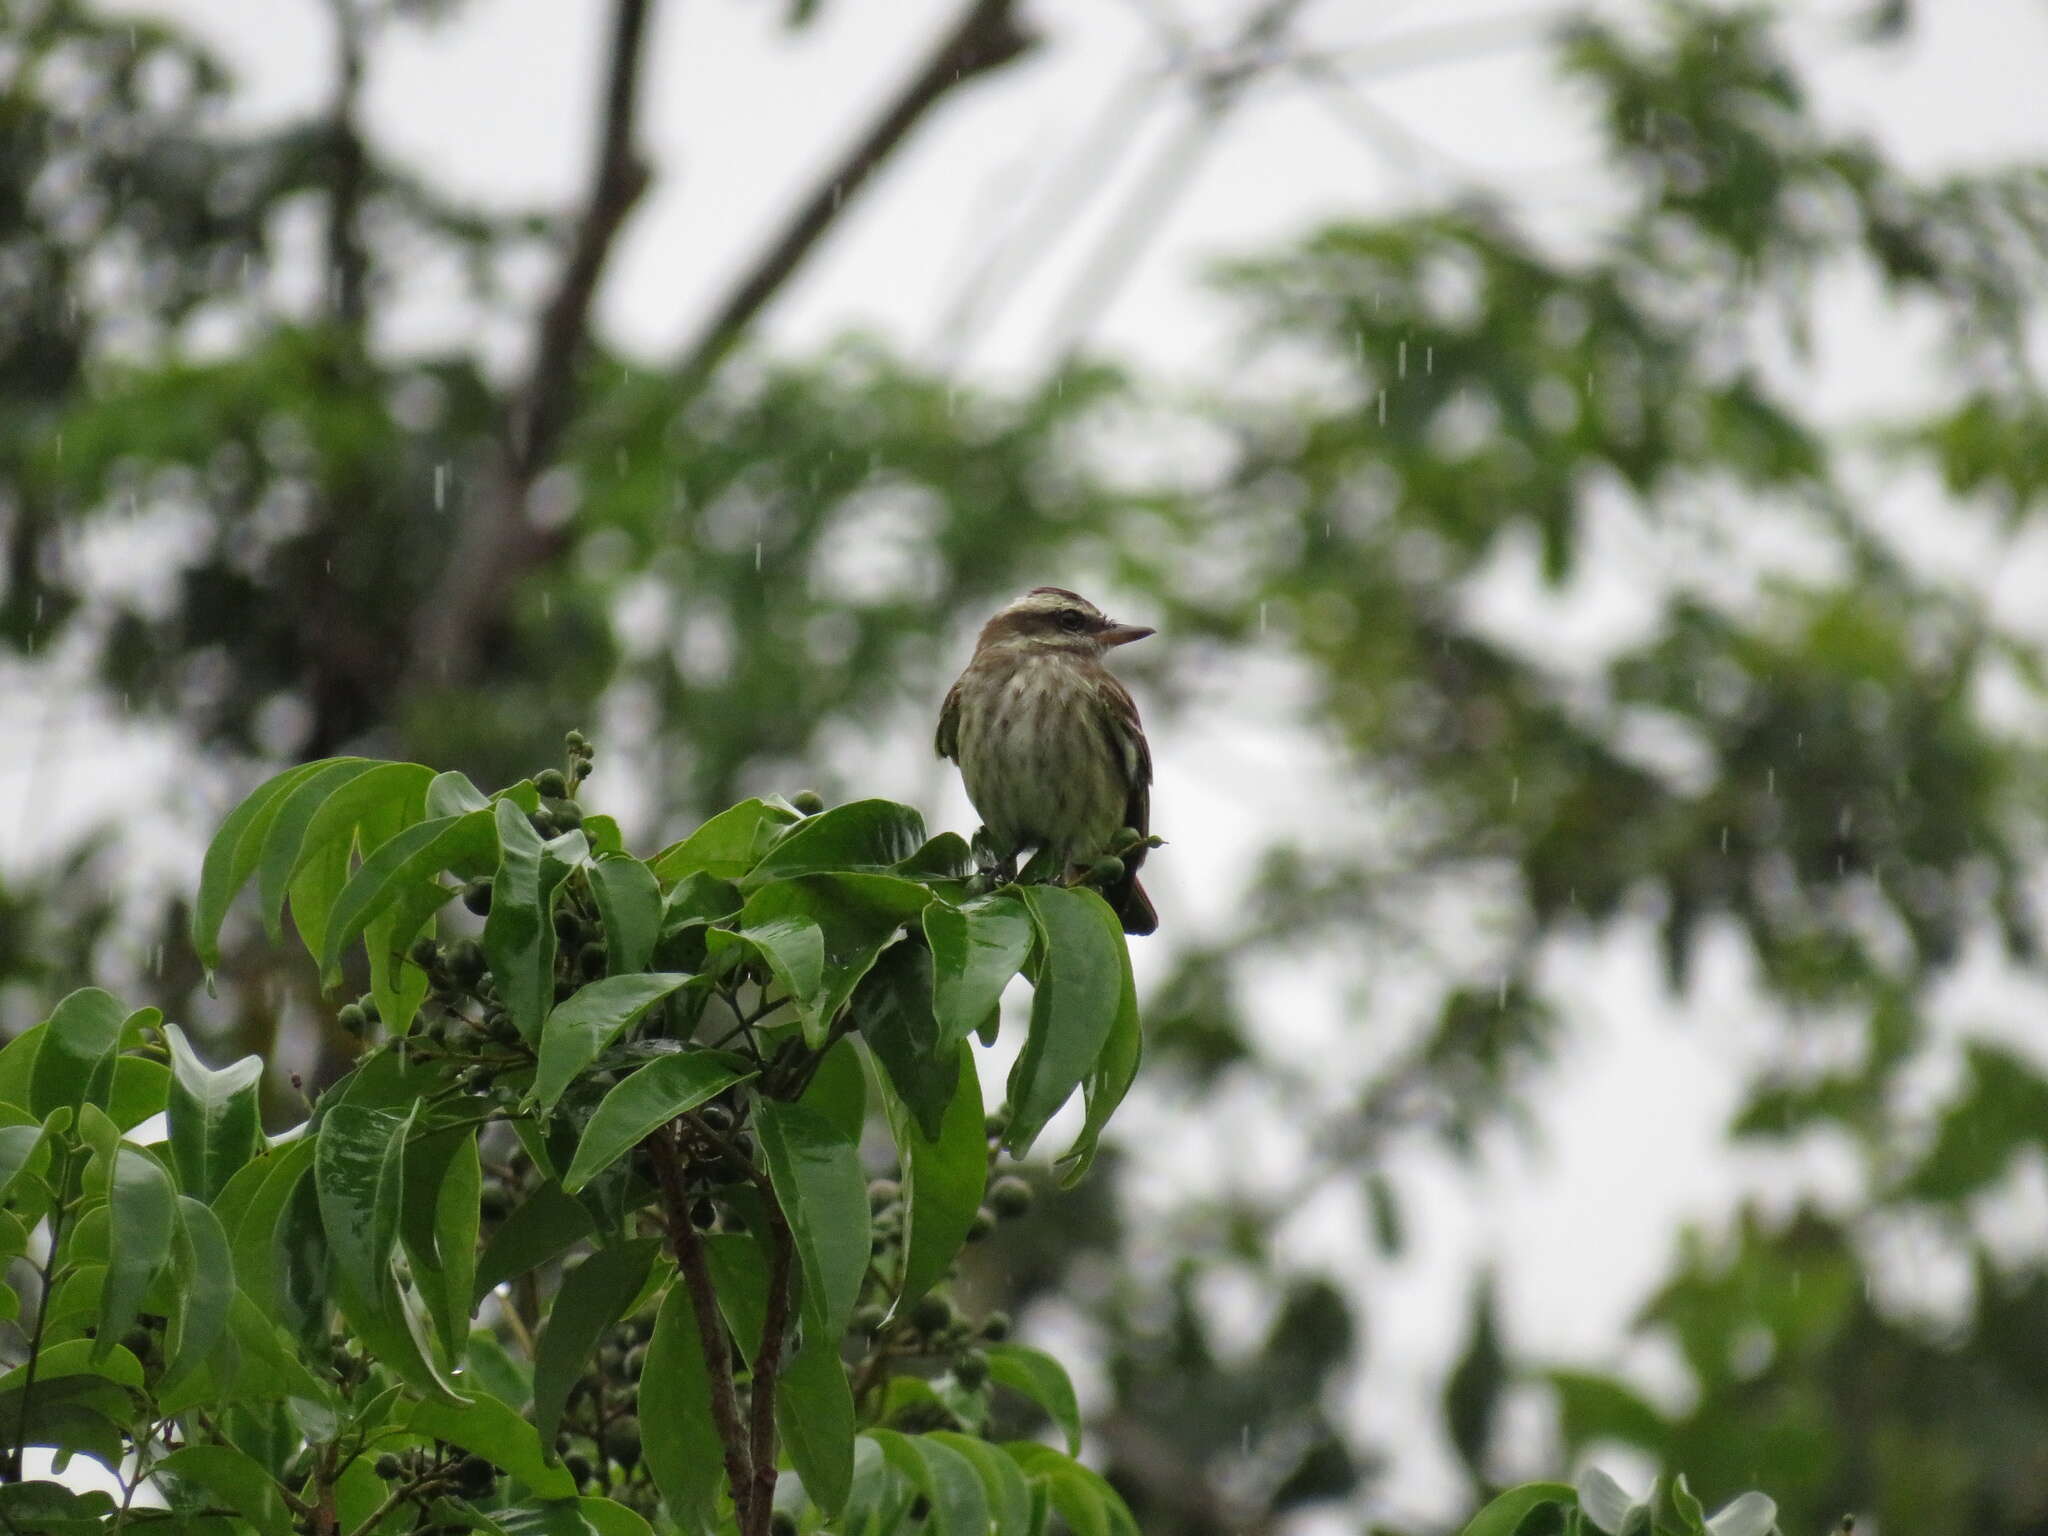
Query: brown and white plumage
x=1049, y=742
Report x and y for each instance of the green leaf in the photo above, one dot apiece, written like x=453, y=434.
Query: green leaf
x=1074, y=1004
x=1088, y=1504
x=214, y=1117
x=944, y=1177
x=959, y=1500
x=1107, y=1082
x=1002, y=1480
x=488, y=1364
x=1504, y=1514
x=865, y=835
x=819, y=934
x=685, y=1456
x=818, y=1180
x=205, y=1291
x=629, y=903
x=726, y=846
x=17, y=1067
x=140, y=1089
x=547, y=1223
x=399, y=868
x=452, y=794
x=231, y=859
x=18, y=1147
x=1604, y=1502
x=1749, y=1514
x=976, y=949
x=838, y=1089
x=652, y=1096
x=457, y=1220
x=286, y=849
x=358, y=1168
x=234, y=1479
x=490, y=1429
x=594, y=1296
x=1043, y=1380
x=141, y=1213
x=892, y=1010
x=75, y=1064
x=814, y=1410
x=254, y=1233
x=583, y=1024
x=519, y=934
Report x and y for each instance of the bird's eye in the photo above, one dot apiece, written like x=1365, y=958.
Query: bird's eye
x=1072, y=622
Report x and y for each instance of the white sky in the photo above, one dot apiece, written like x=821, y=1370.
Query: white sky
x=496, y=107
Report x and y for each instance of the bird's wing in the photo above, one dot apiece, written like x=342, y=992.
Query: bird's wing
x=1127, y=742
x=947, y=742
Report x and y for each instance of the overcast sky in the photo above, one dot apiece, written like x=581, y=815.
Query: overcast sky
x=496, y=106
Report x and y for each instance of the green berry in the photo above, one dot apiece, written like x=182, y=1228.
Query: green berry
x=474, y=1475
x=368, y=1004
x=704, y=1215
x=996, y=1327
x=996, y=1123
x=932, y=1314
x=869, y=1318
x=636, y=1362
x=494, y=1201
x=352, y=1018
x=971, y=1369
x=577, y=1465
x=466, y=962
x=1106, y=870
x=782, y=1523
x=981, y=1224
x=477, y=897
x=1010, y=1196
x=568, y=815
x=550, y=783
x=622, y=1442
x=808, y=801
x=717, y=1118
x=568, y=927
x=425, y=953
x=543, y=822
x=390, y=1468
x=591, y=959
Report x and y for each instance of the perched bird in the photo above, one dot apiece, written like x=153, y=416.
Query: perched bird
x=1049, y=742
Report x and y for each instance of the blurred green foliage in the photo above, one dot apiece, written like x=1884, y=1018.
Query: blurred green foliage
x=1812, y=745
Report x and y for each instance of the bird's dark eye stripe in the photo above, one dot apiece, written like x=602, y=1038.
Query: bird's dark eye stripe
x=1073, y=622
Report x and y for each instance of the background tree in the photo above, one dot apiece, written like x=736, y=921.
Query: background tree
x=1812, y=748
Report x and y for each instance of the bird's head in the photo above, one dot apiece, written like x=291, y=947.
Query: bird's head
x=1054, y=620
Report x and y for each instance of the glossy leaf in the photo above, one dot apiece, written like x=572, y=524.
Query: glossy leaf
x=75, y=1063
x=977, y=948
x=685, y=1456
x=814, y=1410
x=232, y=1478
x=1074, y=1005
x=1107, y=1082
x=959, y=1499
x=1504, y=1514
x=546, y=1224
x=629, y=903
x=1749, y=1514
x=519, y=934
x=205, y=1271
x=214, y=1117
x=1042, y=1379
x=232, y=856
x=652, y=1096
x=726, y=846
x=285, y=851
x=892, y=1011
x=817, y=1177
x=452, y=794
x=944, y=1177
x=141, y=1214
x=838, y=1089
x=819, y=934
x=594, y=1295
x=1002, y=1481
x=359, y=1165
x=490, y=1429
x=869, y=836
x=399, y=867
x=580, y=1026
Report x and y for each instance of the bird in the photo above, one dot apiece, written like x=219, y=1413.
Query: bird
x=1049, y=743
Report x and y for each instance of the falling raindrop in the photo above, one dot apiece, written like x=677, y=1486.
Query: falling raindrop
x=547, y=605
x=1429, y=359
x=1383, y=407
x=1515, y=790
x=757, y=557
x=1770, y=781
x=1401, y=361
x=1724, y=839
x=440, y=486
x=1262, y=618
x=1501, y=997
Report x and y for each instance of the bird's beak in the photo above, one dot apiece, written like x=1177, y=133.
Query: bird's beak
x=1124, y=634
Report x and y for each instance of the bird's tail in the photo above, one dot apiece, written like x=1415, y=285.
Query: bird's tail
x=1132, y=906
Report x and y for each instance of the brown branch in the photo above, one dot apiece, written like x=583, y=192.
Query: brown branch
x=348, y=264
x=696, y=1268
x=495, y=542
x=768, y=1366
x=986, y=36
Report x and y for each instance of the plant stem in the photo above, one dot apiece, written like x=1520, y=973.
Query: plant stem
x=690, y=1257
x=35, y=1343
x=768, y=1366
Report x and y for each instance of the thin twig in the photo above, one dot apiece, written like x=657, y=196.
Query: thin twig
x=768, y=1366
x=696, y=1268
x=986, y=36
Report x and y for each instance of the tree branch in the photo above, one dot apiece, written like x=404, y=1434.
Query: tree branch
x=348, y=264
x=986, y=36
x=768, y=1366
x=696, y=1268
x=495, y=541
